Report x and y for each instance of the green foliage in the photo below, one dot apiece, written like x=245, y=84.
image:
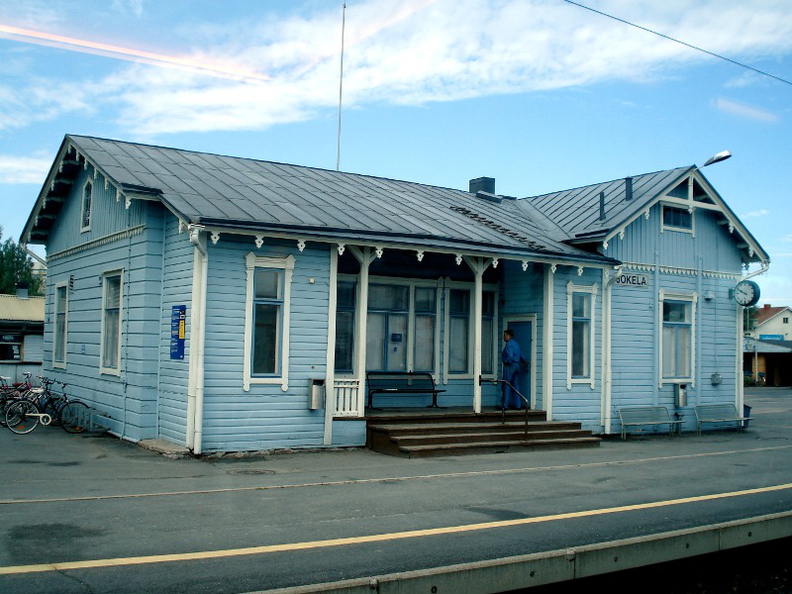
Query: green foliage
x=16, y=267
x=749, y=318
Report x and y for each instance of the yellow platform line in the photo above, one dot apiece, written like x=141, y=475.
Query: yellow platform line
x=372, y=538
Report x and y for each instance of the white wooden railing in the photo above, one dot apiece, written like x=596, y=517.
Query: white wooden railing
x=347, y=397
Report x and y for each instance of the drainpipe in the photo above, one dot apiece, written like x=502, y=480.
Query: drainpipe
x=195, y=388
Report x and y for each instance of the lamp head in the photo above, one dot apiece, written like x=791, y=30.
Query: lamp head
x=721, y=156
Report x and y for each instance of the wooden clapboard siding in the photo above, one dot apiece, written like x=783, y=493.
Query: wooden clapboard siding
x=264, y=417
x=119, y=239
x=177, y=265
x=579, y=401
x=711, y=241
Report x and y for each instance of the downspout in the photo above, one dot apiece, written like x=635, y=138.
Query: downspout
x=739, y=395
x=547, y=341
x=607, y=375
x=195, y=389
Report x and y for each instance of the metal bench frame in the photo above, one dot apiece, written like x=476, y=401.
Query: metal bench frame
x=644, y=416
x=401, y=382
x=718, y=413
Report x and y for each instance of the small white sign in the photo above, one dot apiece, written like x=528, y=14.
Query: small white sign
x=626, y=279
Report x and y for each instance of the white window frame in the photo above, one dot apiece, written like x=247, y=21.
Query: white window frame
x=56, y=335
x=83, y=227
x=692, y=299
x=690, y=209
x=286, y=264
x=591, y=290
x=488, y=288
x=116, y=369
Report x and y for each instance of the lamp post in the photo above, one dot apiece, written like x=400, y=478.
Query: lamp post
x=717, y=158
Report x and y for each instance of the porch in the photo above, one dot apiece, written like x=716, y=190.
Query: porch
x=414, y=433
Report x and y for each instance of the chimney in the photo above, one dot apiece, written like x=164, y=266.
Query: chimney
x=628, y=188
x=482, y=184
x=22, y=291
x=767, y=306
x=602, y=206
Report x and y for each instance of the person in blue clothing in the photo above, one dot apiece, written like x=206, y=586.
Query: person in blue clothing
x=511, y=357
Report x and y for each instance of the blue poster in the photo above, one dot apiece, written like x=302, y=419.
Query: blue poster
x=178, y=321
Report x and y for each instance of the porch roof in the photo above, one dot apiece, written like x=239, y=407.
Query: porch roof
x=241, y=194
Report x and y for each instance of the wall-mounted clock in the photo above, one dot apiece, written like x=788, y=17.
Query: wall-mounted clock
x=746, y=293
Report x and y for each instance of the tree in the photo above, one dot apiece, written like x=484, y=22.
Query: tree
x=16, y=266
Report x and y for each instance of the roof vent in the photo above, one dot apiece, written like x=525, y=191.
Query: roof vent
x=602, y=206
x=628, y=188
x=482, y=184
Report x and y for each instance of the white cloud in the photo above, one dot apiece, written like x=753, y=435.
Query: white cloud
x=23, y=170
x=746, y=111
x=756, y=213
x=413, y=52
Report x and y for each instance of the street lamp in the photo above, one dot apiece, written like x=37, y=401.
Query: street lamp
x=721, y=156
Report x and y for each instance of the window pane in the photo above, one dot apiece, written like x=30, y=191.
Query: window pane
x=60, y=325
x=267, y=283
x=683, y=351
x=345, y=340
x=458, y=356
x=487, y=346
x=677, y=217
x=675, y=311
x=375, y=342
x=669, y=350
x=110, y=341
x=397, y=343
x=580, y=305
x=266, y=338
x=425, y=300
x=424, y=343
x=488, y=303
x=459, y=301
x=346, y=295
x=388, y=297
x=580, y=349
x=86, y=205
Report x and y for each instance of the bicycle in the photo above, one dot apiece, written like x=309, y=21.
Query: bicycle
x=10, y=393
x=24, y=415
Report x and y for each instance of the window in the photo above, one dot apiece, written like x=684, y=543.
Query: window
x=111, y=323
x=387, y=325
x=677, y=219
x=10, y=348
x=87, y=197
x=580, y=334
x=425, y=307
x=59, y=331
x=345, y=327
x=459, y=330
x=678, y=313
x=267, y=320
x=785, y=321
x=488, y=333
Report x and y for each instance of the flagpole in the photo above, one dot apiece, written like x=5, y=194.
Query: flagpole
x=341, y=88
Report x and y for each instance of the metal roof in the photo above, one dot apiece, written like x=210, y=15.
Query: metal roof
x=14, y=309
x=249, y=194
x=577, y=211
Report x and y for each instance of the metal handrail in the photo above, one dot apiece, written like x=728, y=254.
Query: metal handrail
x=503, y=409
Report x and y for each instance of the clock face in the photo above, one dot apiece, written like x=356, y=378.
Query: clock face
x=746, y=293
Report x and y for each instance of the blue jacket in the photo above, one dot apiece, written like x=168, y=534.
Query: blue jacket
x=511, y=353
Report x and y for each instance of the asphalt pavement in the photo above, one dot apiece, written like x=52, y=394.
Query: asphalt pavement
x=96, y=514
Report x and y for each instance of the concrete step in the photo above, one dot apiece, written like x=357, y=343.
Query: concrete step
x=457, y=449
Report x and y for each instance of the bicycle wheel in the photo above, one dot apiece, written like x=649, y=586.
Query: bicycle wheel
x=5, y=402
x=74, y=417
x=22, y=417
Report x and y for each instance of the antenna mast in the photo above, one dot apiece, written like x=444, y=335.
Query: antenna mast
x=341, y=88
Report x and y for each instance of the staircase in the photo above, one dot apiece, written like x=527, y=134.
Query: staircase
x=441, y=433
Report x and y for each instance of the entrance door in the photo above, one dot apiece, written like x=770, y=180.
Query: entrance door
x=524, y=328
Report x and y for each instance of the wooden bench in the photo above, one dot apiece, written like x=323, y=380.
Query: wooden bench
x=401, y=382
x=644, y=416
x=718, y=413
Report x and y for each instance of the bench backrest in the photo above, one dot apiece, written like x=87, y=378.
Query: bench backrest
x=399, y=380
x=644, y=414
x=716, y=411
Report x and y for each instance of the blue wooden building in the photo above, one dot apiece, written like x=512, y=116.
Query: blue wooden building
x=234, y=304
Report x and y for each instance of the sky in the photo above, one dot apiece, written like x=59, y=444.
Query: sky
x=542, y=95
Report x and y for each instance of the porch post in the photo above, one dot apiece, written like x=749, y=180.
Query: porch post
x=478, y=266
x=547, y=341
x=330, y=401
x=364, y=257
